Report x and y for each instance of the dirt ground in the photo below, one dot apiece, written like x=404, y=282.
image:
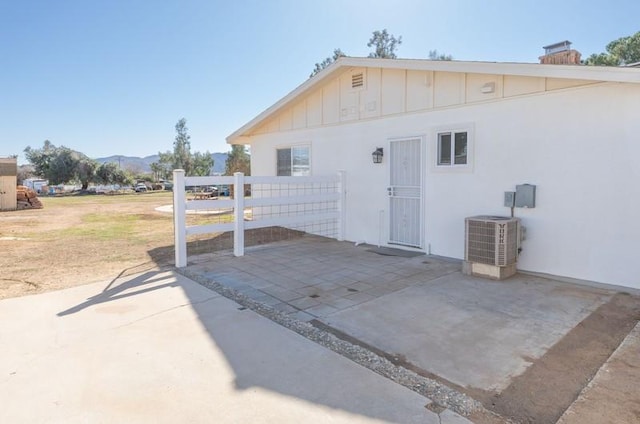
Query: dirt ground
x=81, y=239
x=61, y=245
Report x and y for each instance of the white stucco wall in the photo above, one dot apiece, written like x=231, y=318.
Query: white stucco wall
x=579, y=146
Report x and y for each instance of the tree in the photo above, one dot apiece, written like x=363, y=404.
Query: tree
x=159, y=171
x=61, y=164
x=434, y=55
x=181, y=157
x=238, y=160
x=182, y=148
x=24, y=172
x=384, y=44
x=623, y=51
x=85, y=170
x=601, y=59
x=164, y=166
x=337, y=54
x=110, y=173
x=385, y=48
x=202, y=163
x=41, y=158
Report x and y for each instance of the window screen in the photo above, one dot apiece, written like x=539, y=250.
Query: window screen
x=452, y=148
x=444, y=149
x=284, y=162
x=460, y=148
x=294, y=161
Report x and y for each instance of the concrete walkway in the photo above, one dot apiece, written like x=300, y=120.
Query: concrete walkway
x=159, y=348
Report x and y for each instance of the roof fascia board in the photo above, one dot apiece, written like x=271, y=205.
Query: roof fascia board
x=593, y=73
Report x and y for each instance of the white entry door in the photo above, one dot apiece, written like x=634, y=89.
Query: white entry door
x=405, y=192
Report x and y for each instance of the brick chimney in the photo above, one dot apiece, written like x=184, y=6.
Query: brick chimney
x=560, y=54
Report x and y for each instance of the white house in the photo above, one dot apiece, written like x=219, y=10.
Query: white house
x=464, y=133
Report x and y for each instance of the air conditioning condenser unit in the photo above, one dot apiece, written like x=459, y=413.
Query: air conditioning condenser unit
x=491, y=246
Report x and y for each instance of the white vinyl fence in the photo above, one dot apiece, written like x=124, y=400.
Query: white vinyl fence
x=312, y=204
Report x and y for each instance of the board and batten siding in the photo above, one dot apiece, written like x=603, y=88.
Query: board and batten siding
x=387, y=92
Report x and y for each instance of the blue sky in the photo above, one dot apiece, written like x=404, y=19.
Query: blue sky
x=113, y=77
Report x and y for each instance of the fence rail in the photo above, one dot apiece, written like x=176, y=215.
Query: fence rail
x=274, y=201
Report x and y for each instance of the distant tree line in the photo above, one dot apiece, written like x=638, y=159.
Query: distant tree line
x=61, y=165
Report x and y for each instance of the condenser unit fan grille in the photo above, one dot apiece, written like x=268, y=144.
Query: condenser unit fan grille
x=491, y=240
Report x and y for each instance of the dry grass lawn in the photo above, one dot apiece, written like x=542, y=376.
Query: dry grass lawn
x=81, y=239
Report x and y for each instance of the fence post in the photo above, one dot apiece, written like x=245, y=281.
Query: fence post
x=179, y=218
x=238, y=210
x=342, y=204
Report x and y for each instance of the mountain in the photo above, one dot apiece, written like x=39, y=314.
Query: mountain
x=131, y=163
x=138, y=164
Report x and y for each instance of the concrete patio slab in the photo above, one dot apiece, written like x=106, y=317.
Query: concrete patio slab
x=475, y=333
x=159, y=348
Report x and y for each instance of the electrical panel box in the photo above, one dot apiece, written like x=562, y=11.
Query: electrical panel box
x=525, y=196
x=509, y=199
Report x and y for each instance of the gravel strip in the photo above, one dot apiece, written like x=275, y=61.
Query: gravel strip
x=435, y=391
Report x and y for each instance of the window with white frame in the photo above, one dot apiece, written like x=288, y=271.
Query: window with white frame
x=293, y=161
x=453, y=148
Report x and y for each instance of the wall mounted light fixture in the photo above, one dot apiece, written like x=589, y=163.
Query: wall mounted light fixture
x=377, y=155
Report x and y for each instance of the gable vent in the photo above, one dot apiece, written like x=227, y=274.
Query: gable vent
x=357, y=80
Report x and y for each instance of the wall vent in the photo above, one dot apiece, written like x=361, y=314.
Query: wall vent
x=357, y=80
x=491, y=240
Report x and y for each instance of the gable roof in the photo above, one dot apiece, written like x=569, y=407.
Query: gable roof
x=589, y=73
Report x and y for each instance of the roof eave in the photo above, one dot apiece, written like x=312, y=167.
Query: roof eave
x=593, y=73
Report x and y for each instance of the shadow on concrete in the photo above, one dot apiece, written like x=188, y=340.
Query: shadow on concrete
x=143, y=283
x=279, y=361
x=276, y=360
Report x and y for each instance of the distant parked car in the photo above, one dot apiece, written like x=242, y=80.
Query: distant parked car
x=213, y=190
x=140, y=188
